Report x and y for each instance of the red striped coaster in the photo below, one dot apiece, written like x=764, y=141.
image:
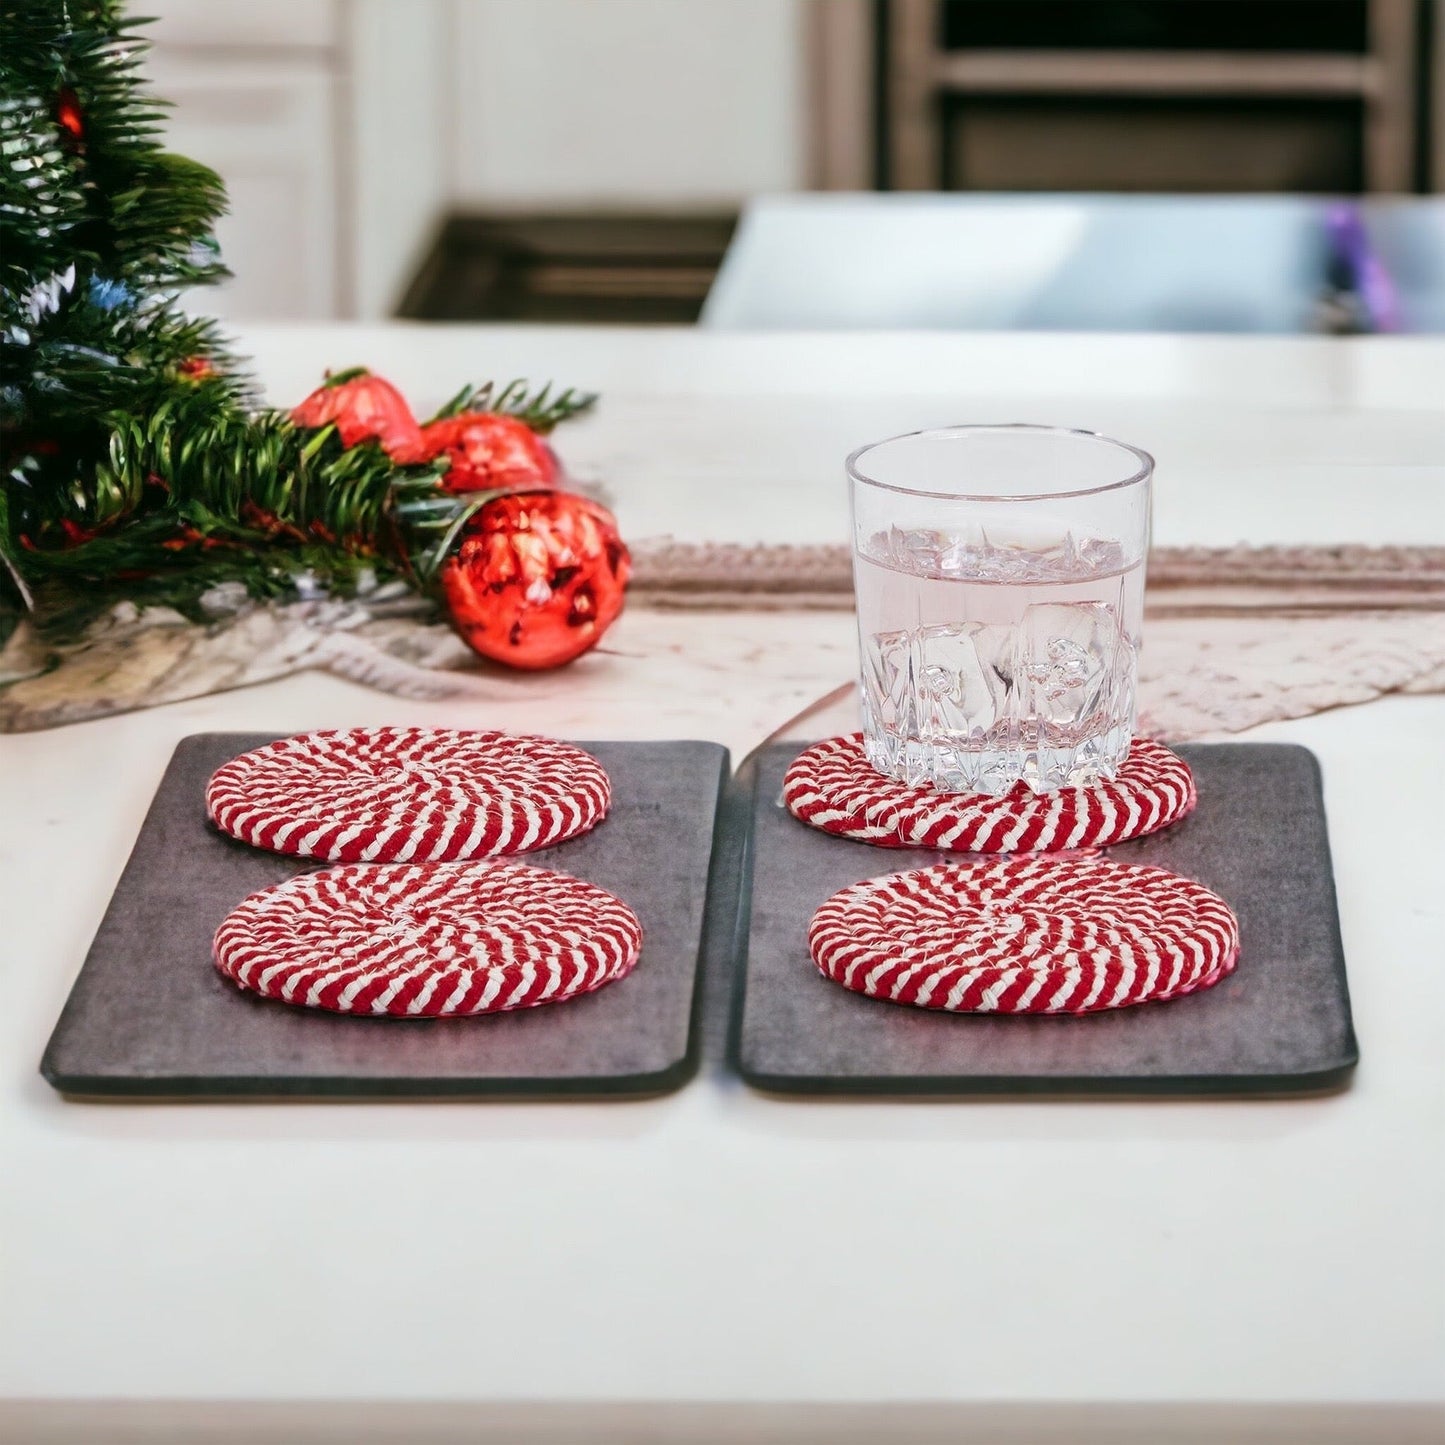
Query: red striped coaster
x=1025, y=935
x=437, y=940
x=402, y=795
x=832, y=786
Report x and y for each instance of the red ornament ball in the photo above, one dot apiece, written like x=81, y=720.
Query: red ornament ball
x=487, y=450
x=538, y=578
x=68, y=114
x=364, y=408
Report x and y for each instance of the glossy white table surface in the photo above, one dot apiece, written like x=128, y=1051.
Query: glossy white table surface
x=984, y=1261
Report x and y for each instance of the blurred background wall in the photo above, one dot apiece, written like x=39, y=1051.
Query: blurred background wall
x=586, y=159
x=347, y=129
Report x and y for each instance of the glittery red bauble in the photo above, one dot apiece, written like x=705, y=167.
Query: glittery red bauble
x=364, y=407
x=488, y=450
x=68, y=114
x=538, y=578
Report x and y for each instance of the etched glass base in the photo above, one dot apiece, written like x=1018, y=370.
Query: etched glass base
x=977, y=708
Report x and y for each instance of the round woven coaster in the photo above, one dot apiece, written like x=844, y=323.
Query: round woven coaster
x=428, y=941
x=832, y=786
x=403, y=795
x=1025, y=935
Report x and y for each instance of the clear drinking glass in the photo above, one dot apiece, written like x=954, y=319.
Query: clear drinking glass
x=999, y=573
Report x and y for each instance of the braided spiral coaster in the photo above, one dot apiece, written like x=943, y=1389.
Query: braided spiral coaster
x=831, y=785
x=1025, y=935
x=403, y=795
x=428, y=941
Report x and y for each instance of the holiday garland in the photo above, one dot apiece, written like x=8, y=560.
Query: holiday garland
x=134, y=462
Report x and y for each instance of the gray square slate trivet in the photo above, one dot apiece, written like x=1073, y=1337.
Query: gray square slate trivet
x=149, y=1016
x=1280, y=1024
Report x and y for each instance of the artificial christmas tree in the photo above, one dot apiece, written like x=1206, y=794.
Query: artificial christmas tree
x=134, y=463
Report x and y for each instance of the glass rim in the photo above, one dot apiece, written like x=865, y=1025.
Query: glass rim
x=1144, y=471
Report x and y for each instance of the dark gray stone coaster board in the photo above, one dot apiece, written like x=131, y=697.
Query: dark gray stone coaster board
x=150, y=1017
x=1279, y=1025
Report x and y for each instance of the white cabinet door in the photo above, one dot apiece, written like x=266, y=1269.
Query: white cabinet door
x=269, y=127
x=273, y=24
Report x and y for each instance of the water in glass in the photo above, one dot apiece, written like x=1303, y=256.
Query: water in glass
x=985, y=664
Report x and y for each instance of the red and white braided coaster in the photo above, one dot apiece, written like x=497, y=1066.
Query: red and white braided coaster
x=831, y=785
x=404, y=795
x=1025, y=935
x=428, y=941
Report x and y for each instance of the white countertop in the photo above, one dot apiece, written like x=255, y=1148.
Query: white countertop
x=716, y=1245
x=742, y=436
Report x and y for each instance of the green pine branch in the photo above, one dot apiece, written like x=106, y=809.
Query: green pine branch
x=541, y=410
x=98, y=229
x=133, y=462
x=199, y=491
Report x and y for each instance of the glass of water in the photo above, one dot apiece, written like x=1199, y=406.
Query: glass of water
x=999, y=573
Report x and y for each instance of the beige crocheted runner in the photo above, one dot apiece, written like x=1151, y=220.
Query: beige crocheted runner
x=745, y=637
x=1182, y=580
